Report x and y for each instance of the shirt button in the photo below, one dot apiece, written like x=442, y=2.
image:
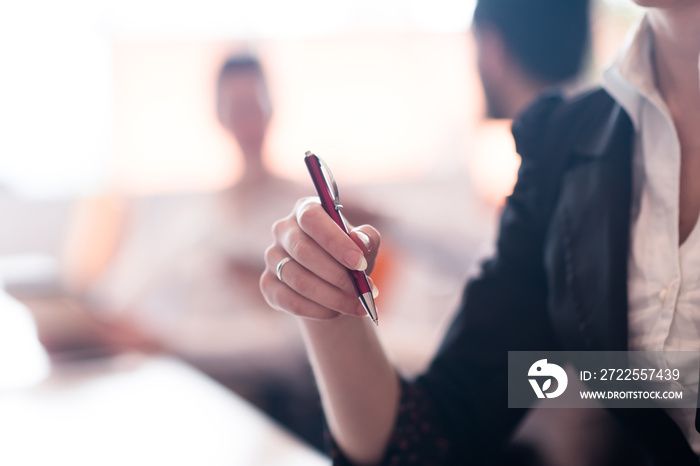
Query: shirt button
x=662, y=295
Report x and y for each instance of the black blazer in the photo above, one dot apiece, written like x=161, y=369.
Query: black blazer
x=558, y=280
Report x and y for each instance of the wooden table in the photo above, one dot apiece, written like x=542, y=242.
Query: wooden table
x=140, y=410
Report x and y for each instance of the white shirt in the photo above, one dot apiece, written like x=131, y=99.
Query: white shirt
x=663, y=278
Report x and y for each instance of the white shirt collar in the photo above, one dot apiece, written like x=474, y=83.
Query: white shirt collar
x=630, y=78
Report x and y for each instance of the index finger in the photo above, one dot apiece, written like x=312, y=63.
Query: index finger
x=316, y=223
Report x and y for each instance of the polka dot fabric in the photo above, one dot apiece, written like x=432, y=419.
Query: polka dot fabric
x=418, y=437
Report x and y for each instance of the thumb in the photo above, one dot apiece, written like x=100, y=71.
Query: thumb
x=368, y=239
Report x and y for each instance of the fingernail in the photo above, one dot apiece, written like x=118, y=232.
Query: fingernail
x=375, y=290
x=364, y=238
x=355, y=260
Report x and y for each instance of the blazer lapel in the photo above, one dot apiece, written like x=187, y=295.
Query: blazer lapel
x=592, y=220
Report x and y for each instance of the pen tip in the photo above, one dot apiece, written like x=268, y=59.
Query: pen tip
x=368, y=303
x=308, y=153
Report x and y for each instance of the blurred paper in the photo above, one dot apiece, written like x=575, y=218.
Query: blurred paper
x=23, y=361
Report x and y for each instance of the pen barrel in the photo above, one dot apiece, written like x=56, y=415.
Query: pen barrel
x=323, y=190
x=359, y=278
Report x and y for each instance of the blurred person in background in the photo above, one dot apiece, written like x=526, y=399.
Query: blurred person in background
x=511, y=37
x=572, y=269
x=524, y=48
x=185, y=267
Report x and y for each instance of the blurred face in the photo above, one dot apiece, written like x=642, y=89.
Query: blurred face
x=495, y=108
x=244, y=108
x=491, y=65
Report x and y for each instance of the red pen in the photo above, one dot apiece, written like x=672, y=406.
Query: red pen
x=327, y=191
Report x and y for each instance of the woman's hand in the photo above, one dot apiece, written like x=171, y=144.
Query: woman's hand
x=315, y=283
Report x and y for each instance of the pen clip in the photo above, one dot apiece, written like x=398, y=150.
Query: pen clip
x=332, y=185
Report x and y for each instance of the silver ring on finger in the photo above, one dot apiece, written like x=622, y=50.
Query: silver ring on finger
x=280, y=264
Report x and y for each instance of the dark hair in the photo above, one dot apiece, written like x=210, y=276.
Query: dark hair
x=549, y=38
x=239, y=63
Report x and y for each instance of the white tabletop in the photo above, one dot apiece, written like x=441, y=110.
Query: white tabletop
x=140, y=411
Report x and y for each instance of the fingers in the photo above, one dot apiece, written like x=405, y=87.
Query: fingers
x=316, y=223
x=309, y=286
x=307, y=253
x=279, y=296
x=315, y=282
